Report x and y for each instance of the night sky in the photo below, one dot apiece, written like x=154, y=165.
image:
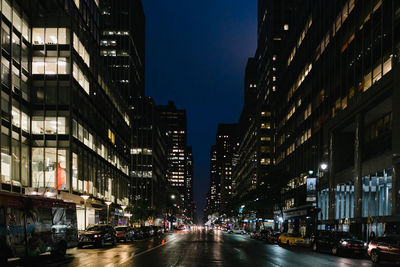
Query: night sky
x=196, y=52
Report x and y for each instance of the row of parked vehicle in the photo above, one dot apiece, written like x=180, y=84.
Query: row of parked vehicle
x=386, y=248
x=99, y=235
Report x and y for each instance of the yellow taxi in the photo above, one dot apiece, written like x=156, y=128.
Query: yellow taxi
x=291, y=239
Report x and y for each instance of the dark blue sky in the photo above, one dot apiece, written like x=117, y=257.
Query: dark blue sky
x=196, y=52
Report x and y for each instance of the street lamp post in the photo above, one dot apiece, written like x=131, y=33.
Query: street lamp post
x=85, y=197
x=108, y=203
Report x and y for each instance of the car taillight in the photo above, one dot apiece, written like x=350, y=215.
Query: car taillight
x=120, y=235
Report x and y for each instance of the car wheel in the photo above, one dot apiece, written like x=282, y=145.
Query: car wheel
x=315, y=247
x=60, y=251
x=374, y=256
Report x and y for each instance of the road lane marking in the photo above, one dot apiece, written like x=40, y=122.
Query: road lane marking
x=133, y=255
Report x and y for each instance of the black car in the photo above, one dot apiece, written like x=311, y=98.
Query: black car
x=147, y=231
x=124, y=233
x=157, y=230
x=97, y=235
x=338, y=243
x=273, y=237
x=138, y=233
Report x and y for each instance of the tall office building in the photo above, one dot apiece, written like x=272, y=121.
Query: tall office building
x=189, y=183
x=65, y=131
x=148, y=152
x=123, y=45
x=173, y=127
x=225, y=141
x=337, y=105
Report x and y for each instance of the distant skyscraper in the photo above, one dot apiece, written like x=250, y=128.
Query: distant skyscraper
x=189, y=182
x=225, y=142
x=173, y=127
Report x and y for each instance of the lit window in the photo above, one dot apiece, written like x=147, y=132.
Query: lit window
x=286, y=27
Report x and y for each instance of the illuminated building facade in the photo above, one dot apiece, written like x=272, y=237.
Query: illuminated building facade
x=337, y=105
x=66, y=132
x=173, y=127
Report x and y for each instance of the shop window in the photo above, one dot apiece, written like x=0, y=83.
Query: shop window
x=344, y=204
x=5, y=159
x=49, y=168
x=377, y=194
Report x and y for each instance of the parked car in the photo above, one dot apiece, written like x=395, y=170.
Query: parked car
x=338, y=243
x=386, y=248
x=98, y=235
x=236, y=231
x=147, y=231
x=157, y=230
x=291, y=239
x=138, y=233
x=273, y=237
x=255, y=234
x=264, y=235
x=124, y=233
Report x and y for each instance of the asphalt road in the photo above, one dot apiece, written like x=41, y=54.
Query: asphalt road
x=194, y=249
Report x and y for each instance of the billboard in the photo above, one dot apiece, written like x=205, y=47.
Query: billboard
x=311, y=189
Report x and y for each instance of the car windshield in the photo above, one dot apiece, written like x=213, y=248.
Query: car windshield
x=96, y=228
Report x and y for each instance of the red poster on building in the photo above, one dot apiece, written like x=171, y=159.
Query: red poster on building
x=61, y=176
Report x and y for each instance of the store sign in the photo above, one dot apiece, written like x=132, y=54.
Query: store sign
x=311, y=189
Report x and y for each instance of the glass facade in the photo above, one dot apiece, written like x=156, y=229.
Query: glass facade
x=45, y=88
x=323, y=204
x=377, y=194
x=344, y=201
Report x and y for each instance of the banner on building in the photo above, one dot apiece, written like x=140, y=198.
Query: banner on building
x=311, y=189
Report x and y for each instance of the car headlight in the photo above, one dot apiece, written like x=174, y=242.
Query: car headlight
x=96, y=236
x=344, y=243
x=365, y=244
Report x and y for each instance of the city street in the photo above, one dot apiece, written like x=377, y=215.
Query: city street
x=196, y=248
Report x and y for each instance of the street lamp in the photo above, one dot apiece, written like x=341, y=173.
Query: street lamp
x=172, y=196
x=108, y=203
x=85, y=197
x=323, y=166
